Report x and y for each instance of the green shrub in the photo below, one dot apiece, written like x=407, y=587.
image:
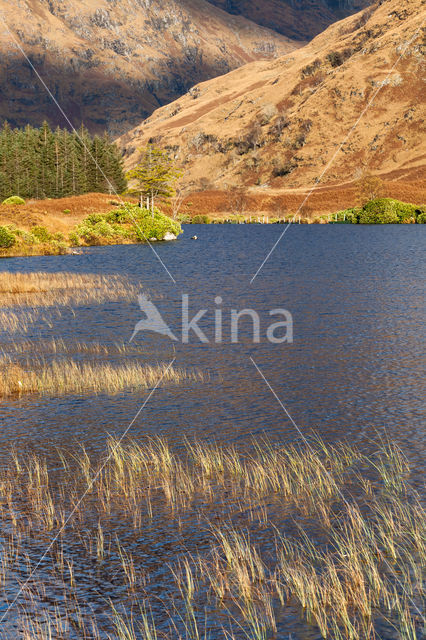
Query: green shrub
x=201, y=219
x=350, y=216
x=74, y=239
x=378, y=217
x=129, y=222
x=41, y=233
x=381, y=211
x=14, y=200
x=384, y=211
x=94, y=218
x=421, y=218
x=184, y=218
x=67, y=211
x=92, y=233
x=103, y=229
x=119, y=215
x=28, y=237
x=404, y=210
x=120, y=230
x=156, y=226
x=59, y=247
x=7, y=238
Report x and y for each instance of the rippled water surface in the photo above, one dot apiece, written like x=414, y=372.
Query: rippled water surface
x=357, y=298
x=355, y=367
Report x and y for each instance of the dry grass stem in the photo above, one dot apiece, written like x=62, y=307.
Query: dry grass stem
x=69, y=376
x=368, y=567
x=56, y=289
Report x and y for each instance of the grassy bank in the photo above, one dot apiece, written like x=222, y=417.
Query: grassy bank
x=377, y=211
x=349, y=566
x=285, y=203
x=124, y=224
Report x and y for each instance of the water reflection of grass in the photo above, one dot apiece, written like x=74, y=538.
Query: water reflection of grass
x=355, y=566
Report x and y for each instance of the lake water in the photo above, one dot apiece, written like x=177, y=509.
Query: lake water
x=356, y=294
x=355, y=367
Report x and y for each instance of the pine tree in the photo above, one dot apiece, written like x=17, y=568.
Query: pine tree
x=6, y=137
x=40, y=163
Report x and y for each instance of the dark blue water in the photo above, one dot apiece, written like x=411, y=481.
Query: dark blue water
x=355, y=367
x=353, y=371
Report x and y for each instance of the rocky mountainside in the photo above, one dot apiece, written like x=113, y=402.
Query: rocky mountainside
x=299, y=19
x=110, y=63
x=279, y=123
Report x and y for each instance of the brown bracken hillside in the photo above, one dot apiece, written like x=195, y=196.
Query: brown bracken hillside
x=274, y=127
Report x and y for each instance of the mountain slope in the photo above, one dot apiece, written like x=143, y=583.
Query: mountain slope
x=280, y=122
x=110, y=63
x=302, y=19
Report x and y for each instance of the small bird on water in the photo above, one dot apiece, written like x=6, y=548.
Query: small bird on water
x=194, y=238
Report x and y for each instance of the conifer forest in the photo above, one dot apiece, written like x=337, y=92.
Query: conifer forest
x=41, y=163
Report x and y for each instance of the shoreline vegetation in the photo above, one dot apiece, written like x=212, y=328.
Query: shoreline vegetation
x=69, y=368
x=68, y=376
x=129, y=224
x=322, y=536
x=344, y=554
x=125, y=224
x=41, y=289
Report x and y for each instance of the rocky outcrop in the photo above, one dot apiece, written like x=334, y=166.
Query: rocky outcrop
x=348, y=102
x=111, y=63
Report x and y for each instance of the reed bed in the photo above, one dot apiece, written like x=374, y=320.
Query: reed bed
x=68, y=376
x=12, y=322
x=356, y=565
x=59, y=346
x=61, y=289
